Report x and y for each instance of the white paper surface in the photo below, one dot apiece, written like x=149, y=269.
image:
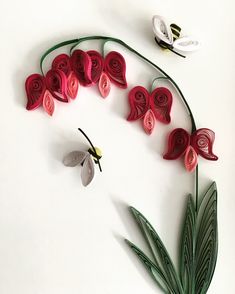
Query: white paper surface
x=58, y=237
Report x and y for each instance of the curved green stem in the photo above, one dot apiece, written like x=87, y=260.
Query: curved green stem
x=106, y=39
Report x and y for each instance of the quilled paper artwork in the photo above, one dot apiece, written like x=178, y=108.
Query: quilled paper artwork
x=199, y=238
x=68, y=72
x=168, y=36
x=86, y=159
x=150, y=107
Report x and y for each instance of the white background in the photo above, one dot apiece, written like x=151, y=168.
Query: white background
x=59, y=237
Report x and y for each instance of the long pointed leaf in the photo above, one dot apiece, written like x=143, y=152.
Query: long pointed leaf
x=160, y=254
x=207, y=240
x=153, y=269
x=187, y=263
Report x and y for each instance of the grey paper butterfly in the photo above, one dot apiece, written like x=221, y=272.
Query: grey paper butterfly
x=84, y=159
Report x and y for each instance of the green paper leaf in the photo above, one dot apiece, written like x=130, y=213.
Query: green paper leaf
x=206, y=240
x=161, y=257
x=153, y=269
x=188, y=248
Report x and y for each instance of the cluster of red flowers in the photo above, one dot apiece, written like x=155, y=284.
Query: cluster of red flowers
x=89, y=68
x=67, y=72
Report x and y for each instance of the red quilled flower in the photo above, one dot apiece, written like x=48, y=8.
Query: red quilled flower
x=181, y=143
x=150, y=107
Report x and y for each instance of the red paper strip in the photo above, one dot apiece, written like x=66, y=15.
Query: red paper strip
x=72, y=85
x=62, y=62
x=115, y=67
x=56, y=82
x=35, y=87
x=104, y=85
x=97, y=65
x=160, y=103
x=139, y=102
x=81, y=65
x=48, y=103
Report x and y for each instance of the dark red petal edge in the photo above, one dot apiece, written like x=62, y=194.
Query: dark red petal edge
x=97, y=65
x=161, y=102
x=62, y=62
x=115, y=67
x=81, y=65
x=56, y=82
x=178, y=141
x=139, y=102
x=35, y=87
x=202, y=141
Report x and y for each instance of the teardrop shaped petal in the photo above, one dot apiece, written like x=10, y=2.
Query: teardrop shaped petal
x=115, y=67
x=160, y=103
x=35, y=87
x=104, y=85
x=178, y=141
x=81, y=65
x=97, y=66
x=48, y=103
x=190, y=159
x=202, y=141
x=62, y=62
x=162, y=29
x=186, y=44
x=74, y=158
x=72, y=85
x=149, y=122
x=88, y=171
x=139, y=102
x=56, y=82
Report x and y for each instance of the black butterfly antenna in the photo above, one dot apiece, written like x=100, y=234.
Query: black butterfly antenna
x=92, y=146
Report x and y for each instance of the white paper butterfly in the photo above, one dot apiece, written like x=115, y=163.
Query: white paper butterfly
x=86, y=159
x=165, y=38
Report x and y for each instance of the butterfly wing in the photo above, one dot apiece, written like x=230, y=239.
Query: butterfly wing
x=88, y=171
x=162, y=29
x=139, y=103
x=74, y=158
x=186, y=44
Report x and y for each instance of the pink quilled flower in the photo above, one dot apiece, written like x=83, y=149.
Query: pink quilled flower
x=181, y=143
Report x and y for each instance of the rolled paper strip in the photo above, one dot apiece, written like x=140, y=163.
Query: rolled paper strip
x=35, y=86
x=190, y=159
x=202, y=141
x=162, y=29
x=62, y=62
x=48, y=103
x=186, y=44
x=97, y=65
x=139, y=102
x=81, y=65
x=149, y=122
x=104, y=85
x=74, y=158
x=178, y=141
x=72, y=85
x=88, y=171
x=160, y=103
x=115, y=67
x=56, y=82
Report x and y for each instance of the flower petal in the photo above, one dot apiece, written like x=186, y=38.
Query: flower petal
x=88, y=171
x=81, y=65
x=48, y=103
x=139, y=102
x=149, y=122
x=35, y=87
x=115, y=67
x=97, y=66
x=104, y=85
x=202, y=141
x=72, y=85
x=161, y=102
x=56, y=82
x=62, y=62
x=178, y=141
x=190, y=159
x=74, y=158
